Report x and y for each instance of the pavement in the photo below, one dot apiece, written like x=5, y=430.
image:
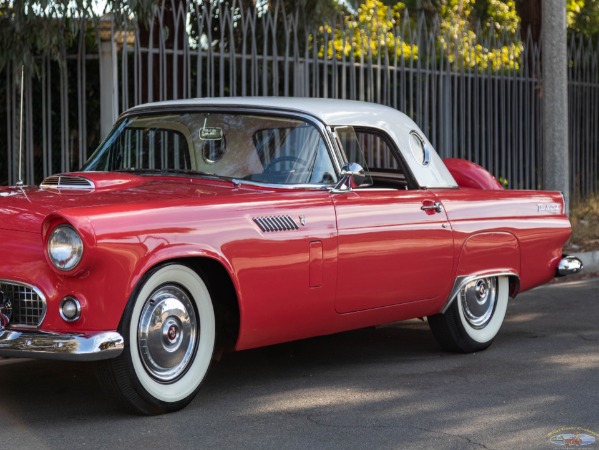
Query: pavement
x=386, y=387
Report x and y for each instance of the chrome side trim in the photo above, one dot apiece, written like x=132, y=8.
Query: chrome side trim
x=569, y=265
x=67, y=347
x=462, y=281
x=305, y=187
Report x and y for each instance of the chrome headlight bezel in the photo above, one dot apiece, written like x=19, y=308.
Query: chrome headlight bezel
x=65, y=248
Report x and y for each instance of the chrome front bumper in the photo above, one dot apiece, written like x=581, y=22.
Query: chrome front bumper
x=568, y=265
x=68, y=347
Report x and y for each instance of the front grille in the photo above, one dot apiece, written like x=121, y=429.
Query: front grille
x=27, y=305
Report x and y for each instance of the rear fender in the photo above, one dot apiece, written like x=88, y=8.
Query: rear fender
x=489, y=254
x=470, y=175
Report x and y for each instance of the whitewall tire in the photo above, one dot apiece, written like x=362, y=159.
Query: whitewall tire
x=170, y=330
x=475, y=316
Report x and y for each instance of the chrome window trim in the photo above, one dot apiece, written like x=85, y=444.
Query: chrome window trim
x=39, y=294
x=463, y=280
x=305, y=187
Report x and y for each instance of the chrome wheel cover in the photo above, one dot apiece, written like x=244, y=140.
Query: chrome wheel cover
x=167, y=333
x=478, y=299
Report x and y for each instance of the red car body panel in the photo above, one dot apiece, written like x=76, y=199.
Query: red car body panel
x=361, y=259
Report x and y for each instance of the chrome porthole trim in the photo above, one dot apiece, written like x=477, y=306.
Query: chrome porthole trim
x=167, y=333
x=422, y=154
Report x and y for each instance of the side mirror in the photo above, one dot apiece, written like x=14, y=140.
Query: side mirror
x=352, y=177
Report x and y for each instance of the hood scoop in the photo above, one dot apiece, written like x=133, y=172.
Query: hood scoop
x=61, y=182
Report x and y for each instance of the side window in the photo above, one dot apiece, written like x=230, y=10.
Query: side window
x=385, y=164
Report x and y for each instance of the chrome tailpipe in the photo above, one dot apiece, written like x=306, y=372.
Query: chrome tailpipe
x=568, y=265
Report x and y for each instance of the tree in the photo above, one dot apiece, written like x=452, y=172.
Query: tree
x=49, y=27
x=469, y=30
x=369, y=32
x=583, y=17
x=466, y=29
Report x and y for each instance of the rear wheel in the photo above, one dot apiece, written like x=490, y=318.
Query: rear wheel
x=169, y=331
x=474, y=318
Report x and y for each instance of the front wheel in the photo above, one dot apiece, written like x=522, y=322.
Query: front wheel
x=474, y=318
x=169, y=330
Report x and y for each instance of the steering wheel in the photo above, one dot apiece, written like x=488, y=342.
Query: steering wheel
x=281, y=159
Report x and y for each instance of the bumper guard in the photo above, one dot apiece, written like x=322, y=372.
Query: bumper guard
x=67, y=347
x=568, y=265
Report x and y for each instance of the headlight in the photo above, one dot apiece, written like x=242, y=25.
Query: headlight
x=65, y=247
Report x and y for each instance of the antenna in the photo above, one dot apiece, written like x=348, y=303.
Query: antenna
x=20, y=180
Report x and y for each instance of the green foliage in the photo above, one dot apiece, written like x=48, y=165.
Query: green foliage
x=49, y=27
x=464, y=46
x=29, y=28
x=371, y=33
x=374, y=30
x=583, y=17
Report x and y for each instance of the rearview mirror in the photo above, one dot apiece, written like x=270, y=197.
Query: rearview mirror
x=211, y=133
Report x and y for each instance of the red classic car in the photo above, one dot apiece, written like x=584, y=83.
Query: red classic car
x=207, y=225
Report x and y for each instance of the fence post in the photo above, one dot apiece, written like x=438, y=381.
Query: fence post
x=109, y=88
x=556, y=160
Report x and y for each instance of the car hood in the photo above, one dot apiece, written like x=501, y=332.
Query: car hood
x=25, y=208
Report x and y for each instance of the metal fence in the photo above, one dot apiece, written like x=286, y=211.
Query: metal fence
x=488, y=112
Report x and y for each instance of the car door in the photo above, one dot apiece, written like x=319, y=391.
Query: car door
x=395, y=243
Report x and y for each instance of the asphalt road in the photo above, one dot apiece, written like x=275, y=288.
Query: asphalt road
x=390, y=387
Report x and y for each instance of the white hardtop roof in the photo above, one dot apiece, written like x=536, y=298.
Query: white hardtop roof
x=336, y=112
x=329, y=111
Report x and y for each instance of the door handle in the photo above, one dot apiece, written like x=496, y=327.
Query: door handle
x=437, y=207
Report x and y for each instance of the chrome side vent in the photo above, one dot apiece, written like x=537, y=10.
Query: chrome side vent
x=66, y=182
x=275, y=223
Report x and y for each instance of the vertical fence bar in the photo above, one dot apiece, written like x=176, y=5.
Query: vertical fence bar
x=489, y=115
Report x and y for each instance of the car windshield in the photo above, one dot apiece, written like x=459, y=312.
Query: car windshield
x=267, y=149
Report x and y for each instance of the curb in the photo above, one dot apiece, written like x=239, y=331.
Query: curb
x=590, y=261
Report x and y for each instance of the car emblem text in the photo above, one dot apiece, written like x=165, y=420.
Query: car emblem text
x=548, y=207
